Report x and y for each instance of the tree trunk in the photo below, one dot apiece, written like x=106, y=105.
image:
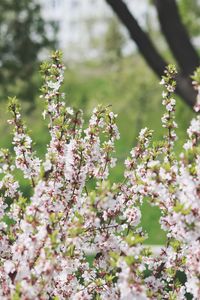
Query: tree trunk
x=176, y=36
x=149, y=52
x=145, y=45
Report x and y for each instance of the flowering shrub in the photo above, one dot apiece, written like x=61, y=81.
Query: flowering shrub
x=74, y=211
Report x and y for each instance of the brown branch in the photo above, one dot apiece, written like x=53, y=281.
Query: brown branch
x=149, y=52
x=145, y=45
x=176, y=36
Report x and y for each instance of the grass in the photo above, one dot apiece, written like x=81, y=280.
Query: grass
x=135, y=95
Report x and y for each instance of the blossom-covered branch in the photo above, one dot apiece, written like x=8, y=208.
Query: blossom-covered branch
x=79, y=236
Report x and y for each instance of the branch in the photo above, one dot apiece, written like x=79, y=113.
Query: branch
x=176, y=35
x=149, y=52
x=145, y=45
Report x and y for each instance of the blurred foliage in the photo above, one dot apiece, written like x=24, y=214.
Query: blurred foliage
x=114, y=40
x=190, y=12
x=23, y=35
x=196, y=76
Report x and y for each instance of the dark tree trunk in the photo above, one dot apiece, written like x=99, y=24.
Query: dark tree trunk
x=149, y=52
x=176, y=35
x=145, y=45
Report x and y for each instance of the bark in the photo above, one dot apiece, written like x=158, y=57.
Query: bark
x=149, y=52
x=176, y=35
x=145, y=45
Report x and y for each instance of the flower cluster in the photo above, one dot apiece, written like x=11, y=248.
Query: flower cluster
x=196, y=84
x=79, y=237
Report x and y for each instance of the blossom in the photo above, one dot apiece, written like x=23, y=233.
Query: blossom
x=54, y=85
x=75, y=211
